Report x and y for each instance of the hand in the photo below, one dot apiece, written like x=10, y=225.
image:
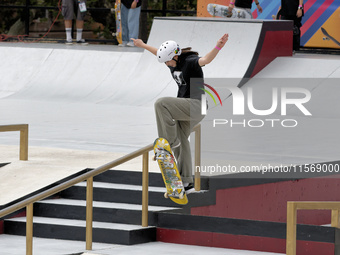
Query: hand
x=222, y=41
x=299, y=13
x=138, y=42
x=259, y=8
x=134, y=5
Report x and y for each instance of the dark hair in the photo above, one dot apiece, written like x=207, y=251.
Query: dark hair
x=188, y=51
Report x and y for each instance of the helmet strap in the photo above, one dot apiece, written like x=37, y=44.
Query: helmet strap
x=175, y=59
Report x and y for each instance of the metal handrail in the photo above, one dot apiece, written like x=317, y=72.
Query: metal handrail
x=23, y=128
x=88, y=176
x=293, y=206
x=76, y=180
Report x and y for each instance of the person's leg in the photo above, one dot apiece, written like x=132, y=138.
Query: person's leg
x=67, y=12
x=168, y=110
x=183, y=153
x=68, y=30
x=124, y=19
x=295, y=36
x=80, y=27
x=80, y=24
x=297, y=33
x=175, y=119
x=133, y=24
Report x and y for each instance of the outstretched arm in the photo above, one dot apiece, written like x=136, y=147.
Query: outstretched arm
x=258, y=6
x=213, y=53
x=139, y=43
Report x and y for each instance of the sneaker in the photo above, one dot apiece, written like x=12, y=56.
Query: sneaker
x=189, y=189
x=130, y=44
x=68, y=42
x=122, y=44
x=82, y=42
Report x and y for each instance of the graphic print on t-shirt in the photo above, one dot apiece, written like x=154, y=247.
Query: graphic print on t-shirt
x=178, y=77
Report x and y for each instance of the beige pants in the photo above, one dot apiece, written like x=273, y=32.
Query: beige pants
x=175, y=119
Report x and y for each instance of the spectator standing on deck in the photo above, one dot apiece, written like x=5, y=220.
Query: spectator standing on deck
x=244, y=5
x=130, y=21
x=293, y=10
x=69, y=8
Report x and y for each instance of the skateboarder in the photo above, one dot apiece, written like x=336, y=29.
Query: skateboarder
x=245, y=5
x=176, y=116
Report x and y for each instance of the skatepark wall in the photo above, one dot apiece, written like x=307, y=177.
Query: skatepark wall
x=136, y=78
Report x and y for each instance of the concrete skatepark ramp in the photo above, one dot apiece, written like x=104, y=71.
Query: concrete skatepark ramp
x=114, y=77
x=83, y=91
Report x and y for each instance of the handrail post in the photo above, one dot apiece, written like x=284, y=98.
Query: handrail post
x=89, y=213
x=197, y=157
x=335, y=223
x=29, y=229
x=291, y=229
x=23, y=128
x=24, y=143
x=145, y=191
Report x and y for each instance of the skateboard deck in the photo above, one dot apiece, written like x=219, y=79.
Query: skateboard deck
x=328, y=37
x=171, y=177
x=118, y=33
x=217, y=10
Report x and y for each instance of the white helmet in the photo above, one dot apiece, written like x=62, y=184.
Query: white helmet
x=167, y=51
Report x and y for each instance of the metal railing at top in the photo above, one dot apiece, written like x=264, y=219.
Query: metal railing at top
x=88, y=177
x=27, y=7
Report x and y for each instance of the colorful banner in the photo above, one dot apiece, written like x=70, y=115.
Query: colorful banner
x=320, y=24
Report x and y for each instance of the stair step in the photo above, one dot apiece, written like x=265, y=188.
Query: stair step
x=129, y=177
x=118, y=193
x=77, y=223
x=107, y=185
x=102, y=211
x=109, y=205
x=68, y=229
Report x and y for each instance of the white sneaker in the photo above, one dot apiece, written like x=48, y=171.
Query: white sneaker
x=130, y=44
x=69, y=42
x=82, y=42
x=189, y=189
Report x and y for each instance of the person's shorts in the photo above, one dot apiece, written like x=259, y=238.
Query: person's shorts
x=71, y=7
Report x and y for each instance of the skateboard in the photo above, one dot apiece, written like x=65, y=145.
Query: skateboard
x=117, y=11
x=223, y=11
x=328, y=37
x=171, y=177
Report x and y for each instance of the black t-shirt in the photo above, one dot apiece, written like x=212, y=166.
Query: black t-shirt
x=289, y=7
x=243, y=3
x=187, y=68
x=128, y=3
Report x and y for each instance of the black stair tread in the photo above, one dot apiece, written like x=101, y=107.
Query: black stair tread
x=80, y=223
x=109, y=205
x=121, y=186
